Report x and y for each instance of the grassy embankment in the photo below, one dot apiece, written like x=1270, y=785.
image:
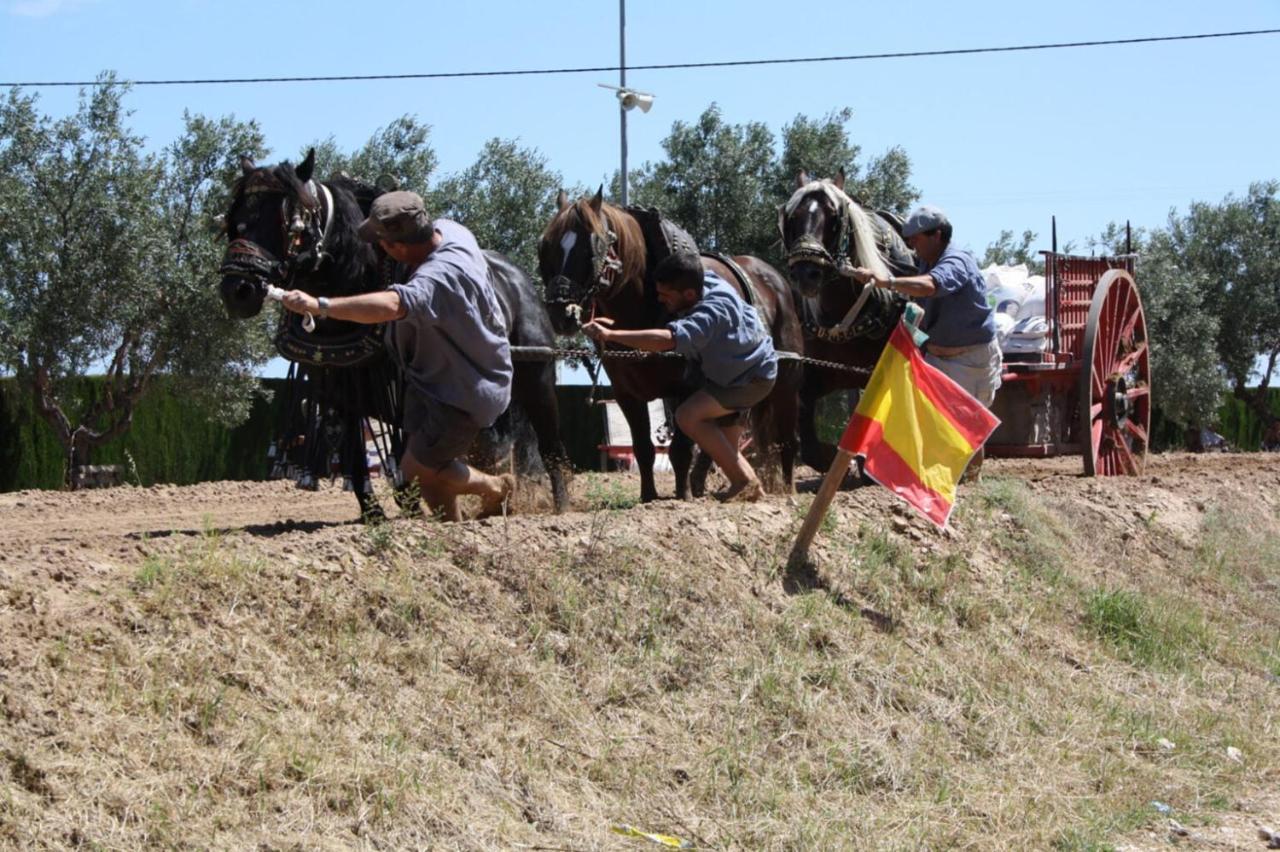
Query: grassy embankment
x=529, y=684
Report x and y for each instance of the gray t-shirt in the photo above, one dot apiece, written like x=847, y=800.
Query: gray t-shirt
x=725, y=337
x=452, y=344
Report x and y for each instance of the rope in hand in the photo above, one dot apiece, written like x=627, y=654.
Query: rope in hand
x=276, y=294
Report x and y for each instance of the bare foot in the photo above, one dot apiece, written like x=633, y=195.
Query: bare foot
x=493, y=503
x=747, y=491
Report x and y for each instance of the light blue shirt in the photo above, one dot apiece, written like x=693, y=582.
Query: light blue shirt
x=725, y=337
x=958, y=314
x=452, y=344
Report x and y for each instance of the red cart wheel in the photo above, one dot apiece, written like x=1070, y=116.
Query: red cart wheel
x=1115, y=380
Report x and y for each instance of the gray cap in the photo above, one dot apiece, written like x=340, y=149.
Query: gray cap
x=926, y=218
x=397, y=217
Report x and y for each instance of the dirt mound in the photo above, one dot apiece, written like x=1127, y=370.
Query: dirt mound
x=237, y=664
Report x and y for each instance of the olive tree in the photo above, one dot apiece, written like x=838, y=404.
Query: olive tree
x=107, y=259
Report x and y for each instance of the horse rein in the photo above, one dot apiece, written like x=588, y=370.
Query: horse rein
x=247, y=258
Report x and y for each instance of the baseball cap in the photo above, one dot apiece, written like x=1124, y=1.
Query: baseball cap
x=397, y=217
x=926, y=218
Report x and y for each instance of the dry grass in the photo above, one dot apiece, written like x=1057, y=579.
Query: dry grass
x=528, y=683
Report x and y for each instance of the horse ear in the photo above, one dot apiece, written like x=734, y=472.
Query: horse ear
x=307, y=167
x=562, y=200
x=246, y=165
x=802, y=178
x=598, y=200
x=839, y=181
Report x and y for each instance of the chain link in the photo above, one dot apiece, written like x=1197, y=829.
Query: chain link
x=550, y=353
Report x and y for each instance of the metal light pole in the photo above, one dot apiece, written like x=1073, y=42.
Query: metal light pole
x=622, y=83
x=627, y=98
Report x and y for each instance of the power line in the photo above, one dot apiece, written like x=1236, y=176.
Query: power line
x=529, y=72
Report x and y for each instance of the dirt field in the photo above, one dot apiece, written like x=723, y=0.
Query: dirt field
x=93, y=584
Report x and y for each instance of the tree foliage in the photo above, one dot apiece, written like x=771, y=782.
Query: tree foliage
x=723, y=182
x=400, y=152
x=107, y=258
x=1187, y=379
x=506, y=197
x=1235, y=247
x=1008, y=251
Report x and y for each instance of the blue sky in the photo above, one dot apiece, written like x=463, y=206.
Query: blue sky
x=1000, y=141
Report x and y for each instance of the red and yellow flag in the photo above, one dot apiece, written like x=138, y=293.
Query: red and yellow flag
x=916, y=428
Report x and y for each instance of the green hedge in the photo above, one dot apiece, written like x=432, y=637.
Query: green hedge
x=172, y=442
x=169, y=441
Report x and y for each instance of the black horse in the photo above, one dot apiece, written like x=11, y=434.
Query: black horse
x=288, y=230
x=825, y=234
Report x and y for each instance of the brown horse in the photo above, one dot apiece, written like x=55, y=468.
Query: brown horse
x=825, y=234
x=596, y=259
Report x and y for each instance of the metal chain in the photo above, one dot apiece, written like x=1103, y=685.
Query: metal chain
x=550, y=353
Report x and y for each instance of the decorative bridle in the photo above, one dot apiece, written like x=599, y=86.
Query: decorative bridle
x=808, y=248
x=311, y=216
x=605, y=266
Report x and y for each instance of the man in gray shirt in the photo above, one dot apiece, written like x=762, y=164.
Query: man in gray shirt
x=724, y=336
x=447, y=332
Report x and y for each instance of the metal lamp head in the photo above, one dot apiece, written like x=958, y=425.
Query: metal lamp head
x=631, y=100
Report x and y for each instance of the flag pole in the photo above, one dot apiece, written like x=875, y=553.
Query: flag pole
x=818, y=509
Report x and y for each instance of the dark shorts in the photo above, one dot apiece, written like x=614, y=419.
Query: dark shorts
x=437, y=433
x=739, y=400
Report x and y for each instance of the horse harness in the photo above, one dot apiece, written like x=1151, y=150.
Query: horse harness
x=810, y=249
x=311, y=216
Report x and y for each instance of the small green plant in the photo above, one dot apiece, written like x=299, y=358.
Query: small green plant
x=609, y=493
x=1164, y=636
x=154, y=572
x=131, y=469
x=379, y=538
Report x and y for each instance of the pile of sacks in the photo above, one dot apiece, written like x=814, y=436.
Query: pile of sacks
x=1018, y=299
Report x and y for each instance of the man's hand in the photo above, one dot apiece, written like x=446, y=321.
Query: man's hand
x=598, y=329
x=865, y=276
x=300, y=302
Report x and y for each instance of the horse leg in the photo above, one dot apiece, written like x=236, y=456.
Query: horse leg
x=814, y=452
x=356, y=462
x=535, y=388
x=681, y=454
x=636, y=412
x=784, y=428
x=698, y=476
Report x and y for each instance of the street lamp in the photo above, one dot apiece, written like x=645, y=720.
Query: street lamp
x=627, y=98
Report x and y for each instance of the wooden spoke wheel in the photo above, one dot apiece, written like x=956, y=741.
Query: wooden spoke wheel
x=1115, y=380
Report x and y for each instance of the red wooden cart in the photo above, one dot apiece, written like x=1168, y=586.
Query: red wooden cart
x=1089, y=391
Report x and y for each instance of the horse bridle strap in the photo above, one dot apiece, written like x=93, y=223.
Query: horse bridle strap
x=245, y=257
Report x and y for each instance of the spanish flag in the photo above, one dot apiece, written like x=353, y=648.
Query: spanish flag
x=916, y=428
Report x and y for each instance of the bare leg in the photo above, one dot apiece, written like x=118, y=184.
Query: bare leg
x=697, y=417
x=441, y=487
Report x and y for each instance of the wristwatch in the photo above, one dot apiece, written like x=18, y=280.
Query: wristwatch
x=323, y=302
x=892, y=281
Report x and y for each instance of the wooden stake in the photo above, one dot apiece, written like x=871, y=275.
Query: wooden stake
x=821, y=502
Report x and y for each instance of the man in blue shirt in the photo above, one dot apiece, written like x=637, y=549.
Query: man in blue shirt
x=959, y=321
x=447, y=331
x=725, y=337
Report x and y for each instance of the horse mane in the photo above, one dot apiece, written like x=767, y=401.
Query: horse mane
x=353, y=258
x=630, y=245
x=864, y=238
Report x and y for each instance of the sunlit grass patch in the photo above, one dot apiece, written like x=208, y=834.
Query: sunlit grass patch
x=1161, y=633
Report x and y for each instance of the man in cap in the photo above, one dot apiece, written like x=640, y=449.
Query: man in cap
x=447, y=332
x=724, y=336
x=960, y=324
